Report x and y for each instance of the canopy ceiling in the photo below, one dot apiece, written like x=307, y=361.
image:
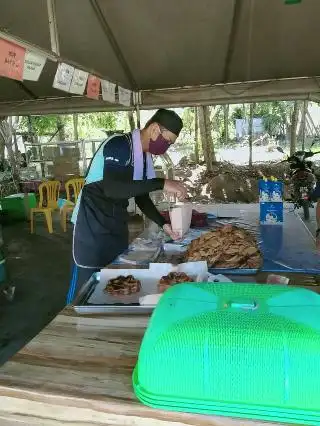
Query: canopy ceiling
x=160, y=47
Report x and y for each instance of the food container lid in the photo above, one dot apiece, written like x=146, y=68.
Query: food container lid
x=246, y=349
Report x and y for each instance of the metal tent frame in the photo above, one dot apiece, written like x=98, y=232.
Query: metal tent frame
x=207, y=52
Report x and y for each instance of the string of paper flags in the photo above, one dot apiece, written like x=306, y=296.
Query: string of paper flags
x=19, y=63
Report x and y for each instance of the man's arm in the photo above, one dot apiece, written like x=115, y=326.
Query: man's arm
x=147, y=207
x=117, y=179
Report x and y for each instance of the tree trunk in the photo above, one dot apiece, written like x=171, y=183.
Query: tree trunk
x=196, y=136
x=252, y=108
x=75, y=119
x=2, y=148
x=6, y=139
x=293, y=130
x=206, y=136
x=61, y=130
x=131, y=121
x=209, y=133
x=2, y=140
x=14, y=133
x=304, y=124
x=226, y=124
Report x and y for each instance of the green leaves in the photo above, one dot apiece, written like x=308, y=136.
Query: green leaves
x=88, y=124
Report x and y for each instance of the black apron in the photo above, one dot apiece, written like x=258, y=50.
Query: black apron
x=99, y=238
x=100, y=232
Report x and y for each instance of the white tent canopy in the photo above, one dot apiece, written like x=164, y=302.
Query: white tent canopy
x=177, y=52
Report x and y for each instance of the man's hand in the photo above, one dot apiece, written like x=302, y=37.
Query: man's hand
x=175, y=187
x=168, y=230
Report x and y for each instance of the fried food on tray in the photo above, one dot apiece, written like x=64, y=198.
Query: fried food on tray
x=226, y=247
x=171, y=279
x=123, y=286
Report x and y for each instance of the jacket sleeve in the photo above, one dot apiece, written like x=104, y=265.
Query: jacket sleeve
x=147, y=207
x=117, y=180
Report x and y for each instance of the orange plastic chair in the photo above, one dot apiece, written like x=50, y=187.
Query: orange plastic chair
x=49, y=194
x=72, y=186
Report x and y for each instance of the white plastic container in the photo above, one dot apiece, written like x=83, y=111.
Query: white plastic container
x=180, y=216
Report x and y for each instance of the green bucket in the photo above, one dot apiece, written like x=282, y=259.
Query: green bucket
x=17, y=207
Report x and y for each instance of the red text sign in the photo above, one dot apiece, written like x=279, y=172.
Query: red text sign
x=11, y=60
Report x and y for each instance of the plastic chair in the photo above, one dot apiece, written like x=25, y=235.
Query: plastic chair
x=49, y=194
x=76, y=186
x=72, y=186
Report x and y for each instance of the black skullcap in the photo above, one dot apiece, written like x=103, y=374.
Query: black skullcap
x=168, y=119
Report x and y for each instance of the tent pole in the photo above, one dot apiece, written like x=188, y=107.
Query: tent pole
x=113, y=42
x=237, y=10
x=53, y=28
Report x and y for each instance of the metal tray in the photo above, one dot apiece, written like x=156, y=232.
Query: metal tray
x=83, y=307
x=94, y=300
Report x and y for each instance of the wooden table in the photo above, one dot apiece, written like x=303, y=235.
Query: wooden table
x=77, y=371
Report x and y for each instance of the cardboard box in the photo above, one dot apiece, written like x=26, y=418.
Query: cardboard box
x=271, y=213
x=270, y=191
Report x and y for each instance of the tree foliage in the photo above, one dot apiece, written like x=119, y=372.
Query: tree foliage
x=87, y=124
x=281, y=119
x=42, y=125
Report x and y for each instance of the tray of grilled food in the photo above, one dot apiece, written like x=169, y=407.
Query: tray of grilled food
x=122, y=290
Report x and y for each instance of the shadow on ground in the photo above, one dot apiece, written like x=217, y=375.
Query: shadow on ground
x=39, y=267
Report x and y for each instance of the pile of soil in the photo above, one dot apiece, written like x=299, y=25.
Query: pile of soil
x=227, y=183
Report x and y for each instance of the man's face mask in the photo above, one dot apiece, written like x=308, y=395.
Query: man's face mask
x=160, y=145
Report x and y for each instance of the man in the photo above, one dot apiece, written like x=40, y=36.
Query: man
x=121, y=168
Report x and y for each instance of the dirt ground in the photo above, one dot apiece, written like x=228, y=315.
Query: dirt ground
x=39, y=266
x=228, y=183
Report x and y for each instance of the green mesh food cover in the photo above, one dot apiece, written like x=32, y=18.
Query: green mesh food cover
x=241, y=350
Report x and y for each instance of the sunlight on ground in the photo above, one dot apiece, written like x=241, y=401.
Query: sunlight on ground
x=196, y=173
x=240, y=155
x=204, y=190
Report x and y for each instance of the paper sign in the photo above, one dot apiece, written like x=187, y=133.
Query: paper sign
x=108, y=91
x=136, y=96
x=63, y=77
x=124, y=96
x=93, y=87
x=79, y=81
x=33, y=65
x=11, y=60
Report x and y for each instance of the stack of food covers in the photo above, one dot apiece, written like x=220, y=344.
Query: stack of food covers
x=240, y=350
